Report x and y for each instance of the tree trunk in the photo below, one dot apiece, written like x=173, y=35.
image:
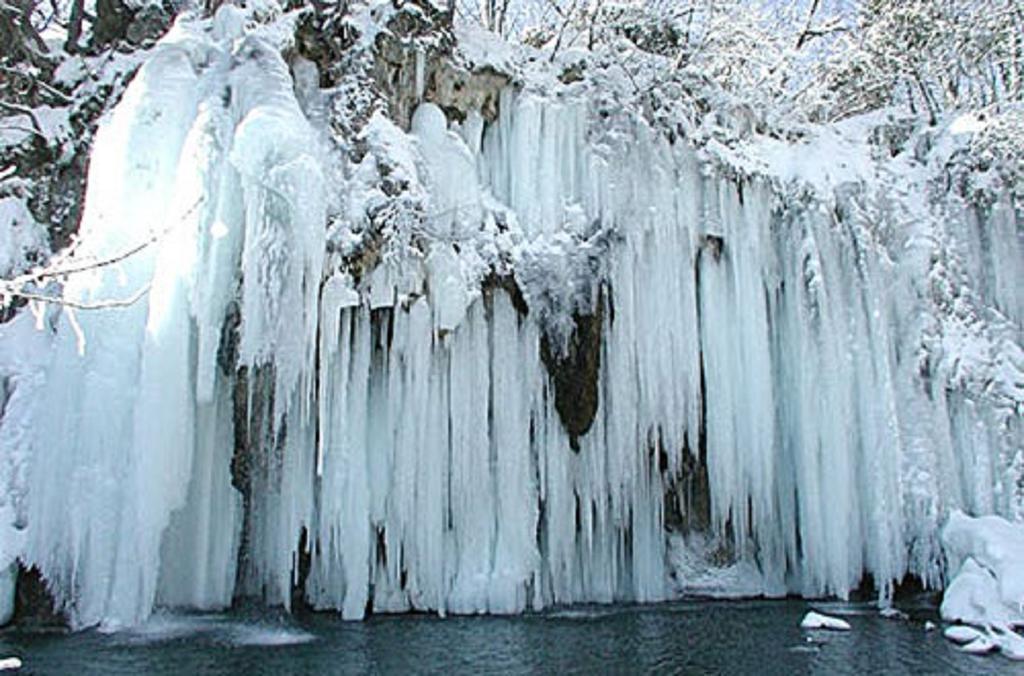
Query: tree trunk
x=20, y=39
x=75, y=26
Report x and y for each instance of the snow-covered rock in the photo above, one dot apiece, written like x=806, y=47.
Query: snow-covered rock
x=1009, y=642
x=815, y=620
x=979, y=646
x=987, y=554
x=960, y=633
x=987, y=590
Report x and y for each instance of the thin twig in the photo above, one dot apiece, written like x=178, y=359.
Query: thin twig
x=64, y=98
x=49, y=273
x=15, y=287
x=79, y=305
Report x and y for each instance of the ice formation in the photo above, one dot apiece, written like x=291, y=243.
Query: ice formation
x=262, y=423
x=7, y=580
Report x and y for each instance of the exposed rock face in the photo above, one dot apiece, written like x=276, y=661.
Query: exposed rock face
x=325, y=39
x=688, y=497
x=256, y=456
x=416, y=41
x=413, y=61
x=574, y=373
x=33, y=603
x=459, y=91
x=117, y=22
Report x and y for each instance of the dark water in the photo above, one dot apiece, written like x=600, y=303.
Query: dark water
x=730, y=637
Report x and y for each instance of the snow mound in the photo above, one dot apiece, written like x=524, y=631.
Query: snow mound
x=813, y=620
x=977, y=642
x=988, y=553
x=696, y=574
x=1009, y=642
x=988, y=589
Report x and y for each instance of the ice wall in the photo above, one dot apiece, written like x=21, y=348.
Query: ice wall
x=836, y=436
x=208, y=157
x=261, y=424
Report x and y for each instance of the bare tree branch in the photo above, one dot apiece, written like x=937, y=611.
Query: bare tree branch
x=28, y=112
x=78, y=305
x=17, y=287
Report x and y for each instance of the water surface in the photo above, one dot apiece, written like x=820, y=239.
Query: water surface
x=734, y=637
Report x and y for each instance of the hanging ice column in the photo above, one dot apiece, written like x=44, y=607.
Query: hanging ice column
x=831, y=452
x=112, y=462
x=136, y=449
x=447, y=480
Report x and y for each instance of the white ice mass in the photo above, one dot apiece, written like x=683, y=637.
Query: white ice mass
x=265, y=419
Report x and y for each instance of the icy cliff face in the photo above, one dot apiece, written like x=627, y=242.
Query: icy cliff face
x=593, y=349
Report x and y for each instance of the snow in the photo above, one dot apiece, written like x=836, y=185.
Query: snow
x=987, y=590
x=968, y=123
x=14, y=130
x=959, y=633
x=814, y=620
x=20, y=236
x=826, y=158
x=1009, y=643
x=987, y=554
x=485, y=50
x=695, y=574
x=71, y=71
x=50, y=123
x=10, y=664
x=979, y=646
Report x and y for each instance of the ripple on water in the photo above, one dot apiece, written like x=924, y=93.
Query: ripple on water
x=219, y=629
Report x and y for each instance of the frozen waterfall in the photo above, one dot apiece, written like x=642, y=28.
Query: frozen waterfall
x=599, y=343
